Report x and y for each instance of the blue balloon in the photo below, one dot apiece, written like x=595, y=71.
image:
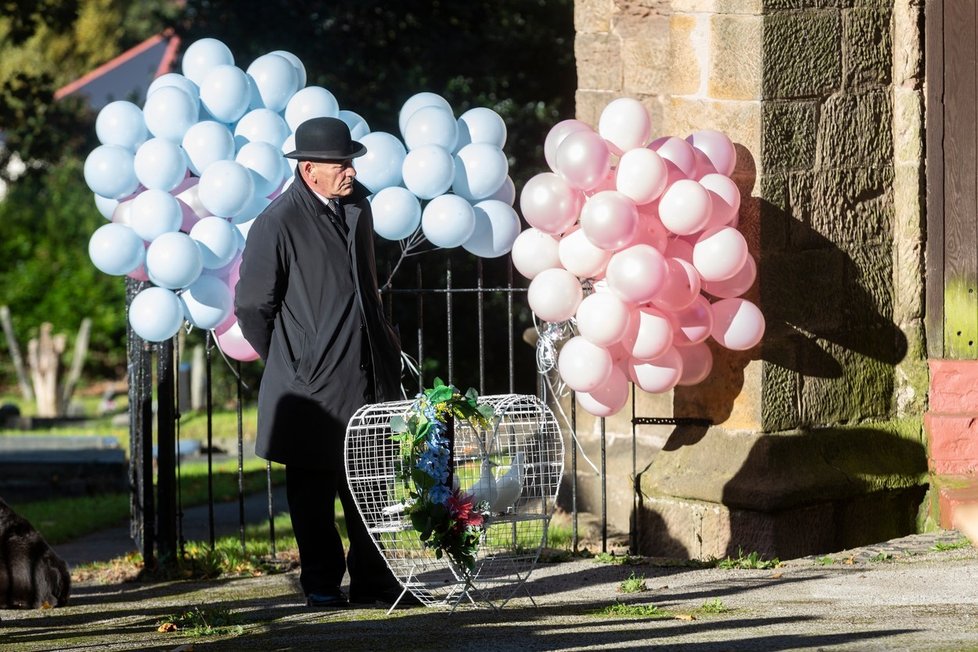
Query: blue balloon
x=431, y=125
x=207, y=302
x=174, y=79
x=381, y=166
x=173, y=261
x=160, y=163
x=266, y=164
x=217, y=240
x=310, y=102
x=261, y=125
x=170, y=112
x=156, y=314
x=480, y=170
x=154, y=212
x=358, y=126
x=396, y=212
x=300, y=69
x=428, y=171
x=105, y=205
x=419, y=101
x=121, y=123
x=225, y=93
x=202, y=56
x=225, y=188
x=115, y=249
x=276, y=80
x=448, y=221
x=206, y=142
x=496, y=228
x=110, y=171
x=481, y=125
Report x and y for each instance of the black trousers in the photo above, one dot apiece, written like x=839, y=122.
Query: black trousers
x=312, y=495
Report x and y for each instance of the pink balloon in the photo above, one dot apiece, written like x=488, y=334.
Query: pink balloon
x=189, y=216
x=681, y=287
x=636, y=273
x=649, y=335
x=608, y=183
x=679, y=248
x=534, y=251
x=694, y=323
x=549, y=203
x=582, y=365
x=583, y=159
x=556, y=136
x=188, y=182
x=554, y=295
x=235, y=346
x=642, y=175
x=720, y=253
x=580, y=257
x=602, y=318
x=717, y=147
x=625, y=123
x=230, y=321
x=658, y=375
x=677, y=152
x=139, y=274
x=704, y=165
x=724, y=199
x=609, y=398
x=609, y=219
x=685, y=207
x=738, y=324
x=650, y=228
x=737, y=284
x=697, y=363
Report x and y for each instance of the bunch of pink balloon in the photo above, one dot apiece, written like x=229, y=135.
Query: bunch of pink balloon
x=651, y=226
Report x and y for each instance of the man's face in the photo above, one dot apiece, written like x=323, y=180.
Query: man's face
x=330, y=178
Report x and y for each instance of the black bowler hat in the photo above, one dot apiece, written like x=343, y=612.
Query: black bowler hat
x=325, y=139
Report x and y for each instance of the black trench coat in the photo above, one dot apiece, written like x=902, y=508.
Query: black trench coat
x=307, y=301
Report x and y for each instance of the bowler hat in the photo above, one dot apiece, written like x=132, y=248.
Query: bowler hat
x=325, y=139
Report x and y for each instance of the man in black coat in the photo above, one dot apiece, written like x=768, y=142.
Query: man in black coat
x=307, y=301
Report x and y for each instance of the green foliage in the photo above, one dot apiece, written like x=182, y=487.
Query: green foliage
x=202, y=621
x=634, y=584
x=752, y=560
x=621, y=609
x=714, y=606
x=942, y=546
x=617, y=560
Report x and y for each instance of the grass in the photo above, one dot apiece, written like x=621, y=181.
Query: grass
x=753, y=560
x=714, y=606
x=64, y=519
x=942, y=546
x=621, y=609
x=617, y=560
x=634, y=584
x=881, y=557
x=202, y=621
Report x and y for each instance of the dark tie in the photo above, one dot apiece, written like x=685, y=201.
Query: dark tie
x=337, y=215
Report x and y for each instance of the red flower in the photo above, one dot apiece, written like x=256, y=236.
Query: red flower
x=460, y=506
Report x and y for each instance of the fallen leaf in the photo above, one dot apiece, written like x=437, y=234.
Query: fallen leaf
x=850, y=560
x=47, y=605
x=167, y=627
x=777, y=576
x=685, y=617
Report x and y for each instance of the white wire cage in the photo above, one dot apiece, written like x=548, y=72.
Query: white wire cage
x=515, y=465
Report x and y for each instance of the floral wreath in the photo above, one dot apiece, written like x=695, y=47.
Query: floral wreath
x=447, y=518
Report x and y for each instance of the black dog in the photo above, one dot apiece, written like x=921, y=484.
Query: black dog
x=31, y=574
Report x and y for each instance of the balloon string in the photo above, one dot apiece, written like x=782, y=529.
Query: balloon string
x=217, y=344
x=408, y=245
x=546, y=354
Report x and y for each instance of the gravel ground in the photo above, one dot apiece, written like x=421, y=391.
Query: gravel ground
x=915, y=593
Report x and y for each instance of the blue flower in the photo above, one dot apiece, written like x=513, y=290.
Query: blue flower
x=439, y=494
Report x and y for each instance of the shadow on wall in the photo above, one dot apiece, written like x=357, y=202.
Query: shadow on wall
x=828, y=355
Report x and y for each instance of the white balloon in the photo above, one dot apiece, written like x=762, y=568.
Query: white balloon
x=506, y=192
x=225, y=93
x=276, y=78
x=642, y=175
x=154, y=212
x=225, y=188
x=396, y=212
x=206, y=142
x=202, y=56
x=496, y=228
x=300, y=69
x=534, y=251
x=266, y=164
x=428, y=171
x=481, y=125
x=207, y=302
x=115, y=249
x=419, y=101
x=170, y=112
x=448, y=221
x=625, y=123
x=310, y=102
x=160, y=163
x=121, y=123
x=480, y=170
x=110, y=171
x=156, y=314
x=217, y=240
x=381, y=166
x=173, y=261
x=261, y=125
x=431, y=125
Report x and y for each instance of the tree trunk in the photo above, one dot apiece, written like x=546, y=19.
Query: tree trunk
x=8, y=330
x=77, y=361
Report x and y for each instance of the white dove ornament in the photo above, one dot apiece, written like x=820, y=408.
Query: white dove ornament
x=510, y=485
x=484, y=488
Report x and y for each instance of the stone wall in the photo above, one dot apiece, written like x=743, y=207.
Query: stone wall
x=824, y=100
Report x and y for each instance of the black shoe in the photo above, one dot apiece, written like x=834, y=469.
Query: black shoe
x=386, y=595
x=327, y=600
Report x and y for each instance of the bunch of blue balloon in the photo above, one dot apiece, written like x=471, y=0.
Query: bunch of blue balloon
x=651, y=226
x=182, y=178
x=446, y=183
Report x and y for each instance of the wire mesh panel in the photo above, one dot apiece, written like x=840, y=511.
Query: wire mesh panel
x=515, y=466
